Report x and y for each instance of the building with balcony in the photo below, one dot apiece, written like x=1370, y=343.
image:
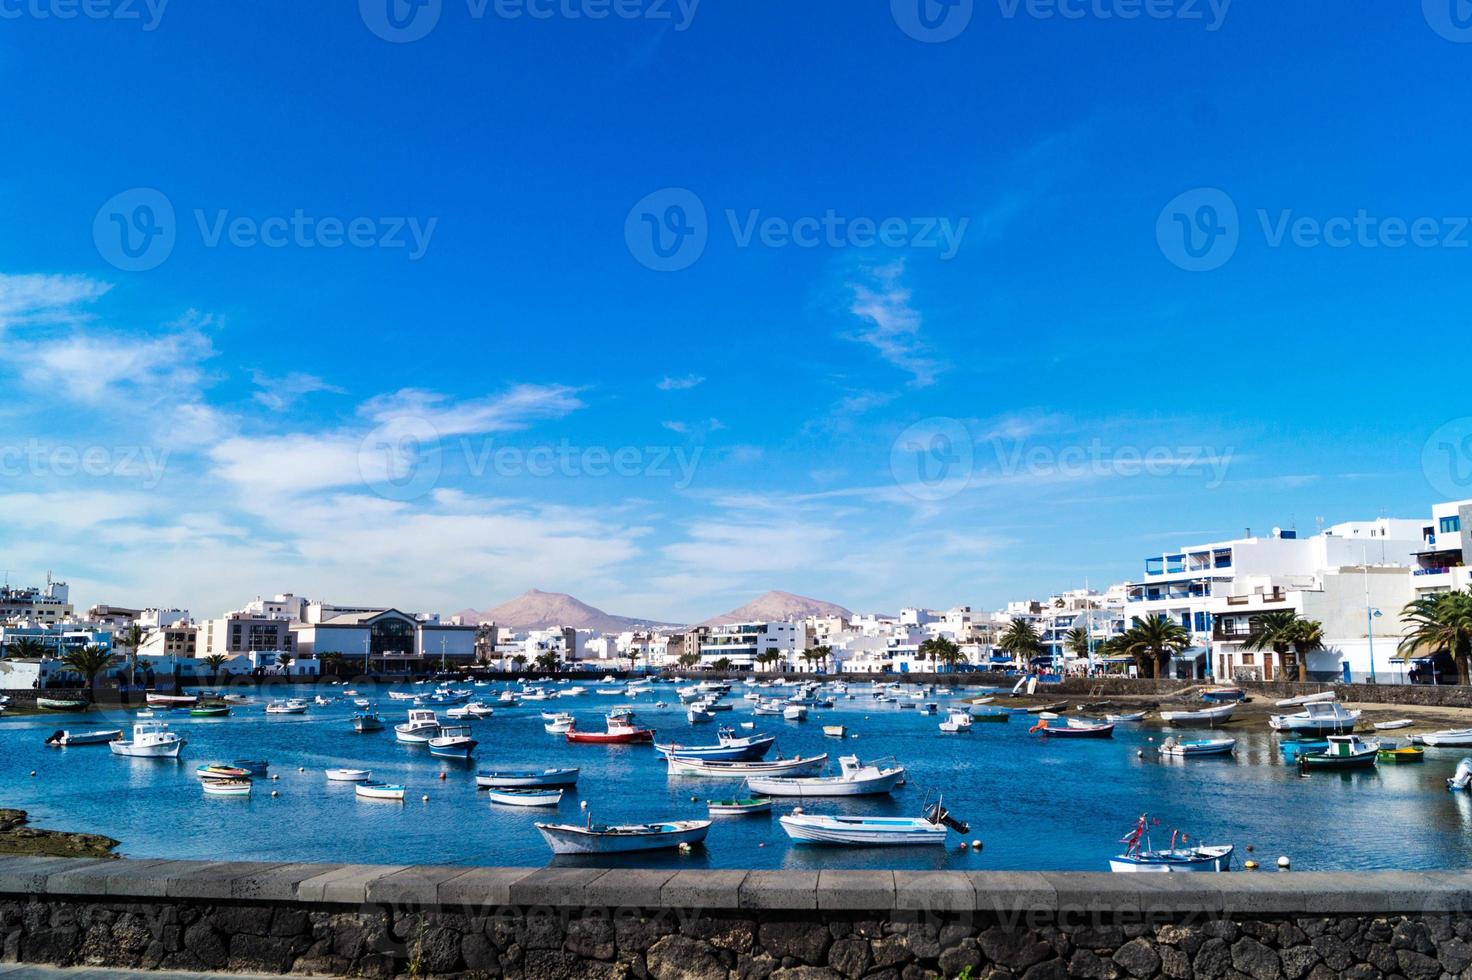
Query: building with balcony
x=387, y=640
x=49, y=604
x=742, y=643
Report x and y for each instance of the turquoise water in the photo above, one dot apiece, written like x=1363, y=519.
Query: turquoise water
x=1035, y=803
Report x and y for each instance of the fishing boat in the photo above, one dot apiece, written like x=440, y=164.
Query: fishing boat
x=795, y=712
x=349, y=775
x=618, y=733
x=835, y=731
x=731, y=748
x=379, y=791
x=767, y=708
x=1344, y=752
x=738, y=808
x=151, y=740
x=1293, y=748
x=219, y=770
x=400, y=696
x=957, y=721
x=226, y=787
x=798, y=766
x=1073, y=729
x=1217, y=715
x=619, y=838
x=1039, y=709
x=559, y=724
x=453, y=742
x=526, y=797
x=474, y=710
x=61, y=704
x=1462, y=778
x=1402, y=754
x=211, y=710
x=1305, y=699
x=256, y=767
x=1319, y=717
x=1193, y=747
x=367, y=721
x=855, y=779
x=525, y=778
x=419, y=729
x=170, y=700
x=1449, y=738
x=65, y=738
x=1140, y=856
x=991, y=717
x=1223, y=694
x=1390, y=726
x=291, y=706
x=1127, y=717
x=863, y=831
x=145, y=713
x=696, y=714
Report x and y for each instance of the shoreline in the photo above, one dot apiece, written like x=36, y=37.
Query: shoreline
x=19, y=839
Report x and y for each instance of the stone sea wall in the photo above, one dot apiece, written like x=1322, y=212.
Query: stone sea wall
x=696, y=924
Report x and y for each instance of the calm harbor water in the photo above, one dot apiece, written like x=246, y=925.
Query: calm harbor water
x=1037, y=804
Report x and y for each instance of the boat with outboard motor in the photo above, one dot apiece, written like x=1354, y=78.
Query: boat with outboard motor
x=419, y=729
x=594, y=838
x=525, y=778
x=1140, y=856
x=1343, y=752
x=1186, y=748
x=1317, y=717
x=869, y=831
x=855, y=779
x=1212, y=716
x=151, y=740
x=66, y=737
x=1074, y=728
x=796, y=766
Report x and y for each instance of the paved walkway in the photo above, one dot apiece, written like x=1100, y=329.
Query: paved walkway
x=24, y=971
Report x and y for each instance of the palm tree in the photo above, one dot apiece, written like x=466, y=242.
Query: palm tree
x=89, y=661
x=1156, y=639
x=1441, y=623
x=819, y=654
x=951, y=655
x=548, y=662
x=633, y=656
x=688, y=660
x=768, y=657
x=1021, y=640
x=1308, y=636
x=214, y=662
x=333, y=663
x=723, y=663
x=283, y=662
x=939, y=648
x=518, y=662
x=25, y=648
x=1078, y=642
x=1274, y=631
x=132, y=639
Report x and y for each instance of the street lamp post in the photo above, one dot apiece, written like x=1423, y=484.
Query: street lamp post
x=1370, y=614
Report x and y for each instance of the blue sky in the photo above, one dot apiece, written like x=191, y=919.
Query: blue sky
x=390, y=322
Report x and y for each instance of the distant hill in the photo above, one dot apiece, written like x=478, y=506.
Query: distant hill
x=776, y=607
x=535, y=609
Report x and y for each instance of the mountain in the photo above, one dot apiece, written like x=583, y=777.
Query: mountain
x=535, y=609
x=778, y=606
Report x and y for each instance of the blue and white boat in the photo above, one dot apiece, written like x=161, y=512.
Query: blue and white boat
x=864, y=831
x=621, y=838
x=525, y=778
x=419, y=729
x=1139, y=856
x=453, y=742
x=1182, y=748
x=731, y=748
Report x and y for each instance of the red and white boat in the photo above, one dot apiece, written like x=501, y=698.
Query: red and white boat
x=1074, y=729
x=618, y=733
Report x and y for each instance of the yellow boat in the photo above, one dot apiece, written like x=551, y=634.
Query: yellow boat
x=1408, y=753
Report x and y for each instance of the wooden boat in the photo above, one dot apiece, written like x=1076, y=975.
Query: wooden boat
x=453, y=742
x=170, y=700
x=855, y=779
x=696, y=714
x=349, y=775
x=958, y=721
x=526, y=797
x=1200, y=716
x=1293, y=748
x=256, y=767
x=1140, y=856
x=1305, y=699
x=61, y=704
x=525, y=778
x=1223, y=694
x=620, y=838
x=151, y=740
x=291, y=706
x=66, y=737
x=1319, y=717
x=367, y=721
x=209, y=710
x=864, y=831
x=379, y=791
x=992, y=717
x=618, y=733
x=835, y=731
x=226, y=787
x=1195, y=747
x=1130, y=716
x=1038, y=709
x=735, y=808
x=795, y=712
x=1344, y=752
x=1402, y=755
x=731, y=748
x=1074, y=729
x=1448, y=738
x=559, y=724
x=740, y=770
x=419, y=729
x=1390, y=726
x=474, y=710
x=218, y=770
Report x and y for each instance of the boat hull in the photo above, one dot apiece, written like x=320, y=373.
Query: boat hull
x=863, y=831
x=642, y=735
x=526, y=797
x=527, y=780
x=743, y=770
x=806, y=788
x=165, y=750
x=1209, y=859
x=567, y=839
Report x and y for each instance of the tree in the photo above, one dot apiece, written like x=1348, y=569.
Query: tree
x=89, y=661
x=1021, y=640
x=1154, y=641
x=1274, y=631
x=132, y=638
x=688, y=660
x=1078, y=642
x=633, y=654
x=283, y=663
x=768, y=657
x=819, y=654
x=939, y=649
x=214, y=662
x=951, y=655
x=25, y=648
x=548, y=662
x=1308, y=636
x=722, y=663
x=1440, y=623
x=518, y=662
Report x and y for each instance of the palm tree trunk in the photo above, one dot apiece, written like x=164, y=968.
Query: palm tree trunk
x=1462, y=667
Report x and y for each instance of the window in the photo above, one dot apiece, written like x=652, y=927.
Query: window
x=1451, y=525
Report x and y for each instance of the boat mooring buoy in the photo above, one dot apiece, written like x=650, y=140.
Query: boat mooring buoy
x=442, y=775
x=1249, y=865
x=301, y=768
x=424, y=798
x=275, y=793
x=583, y=805
x=961, y=846
x=33, y=772
x=1139, y=753
x=976, y=845
x=1284, y=864
x=693, y=800
x=275, y=775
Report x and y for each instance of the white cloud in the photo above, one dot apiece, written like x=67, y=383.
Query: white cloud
x=682, y=383
x=41, y=298
x=278, y=394
x=513, y=409
x=893, y=324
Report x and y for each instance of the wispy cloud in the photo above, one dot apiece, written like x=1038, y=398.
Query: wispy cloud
x=513, y=409
x=694, y=428
x=279, y=394
x=42, y=298
x=682, y=383
x=892, y=324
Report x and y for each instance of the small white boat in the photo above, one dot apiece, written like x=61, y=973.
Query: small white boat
x=559, y=724
x=1139, y=856
x=473, y=710
x=170, y=700
x=452, y=742
x=696, y=714
x=226, y=787
x=1194, y=747
x=65, y=738
x=1200, y=716
x=856, y=779
x=420, y=728
x=865, y=831
x=526, y=779
x=1463, y=776
x=738, y=808
x=1449, y=738
x=1323, y=717
x=1390, y=726
x=526, y=797
x=151, y=740
x=835, y=731
x=291, y=706
x=379, y=791
x=1305, y=699
x=620, y=838
x=1130, y=716
x=957, y=721
x=349, y=775
x=741, y=770
x=362, y=702
x=795, y=712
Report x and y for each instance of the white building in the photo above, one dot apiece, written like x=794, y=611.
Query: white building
x=50, y=604
x=742, y=643
x=386, y=640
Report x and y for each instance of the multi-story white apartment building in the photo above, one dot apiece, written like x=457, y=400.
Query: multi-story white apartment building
x=49, y=604
x=1444, y=563
x=742, y=643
